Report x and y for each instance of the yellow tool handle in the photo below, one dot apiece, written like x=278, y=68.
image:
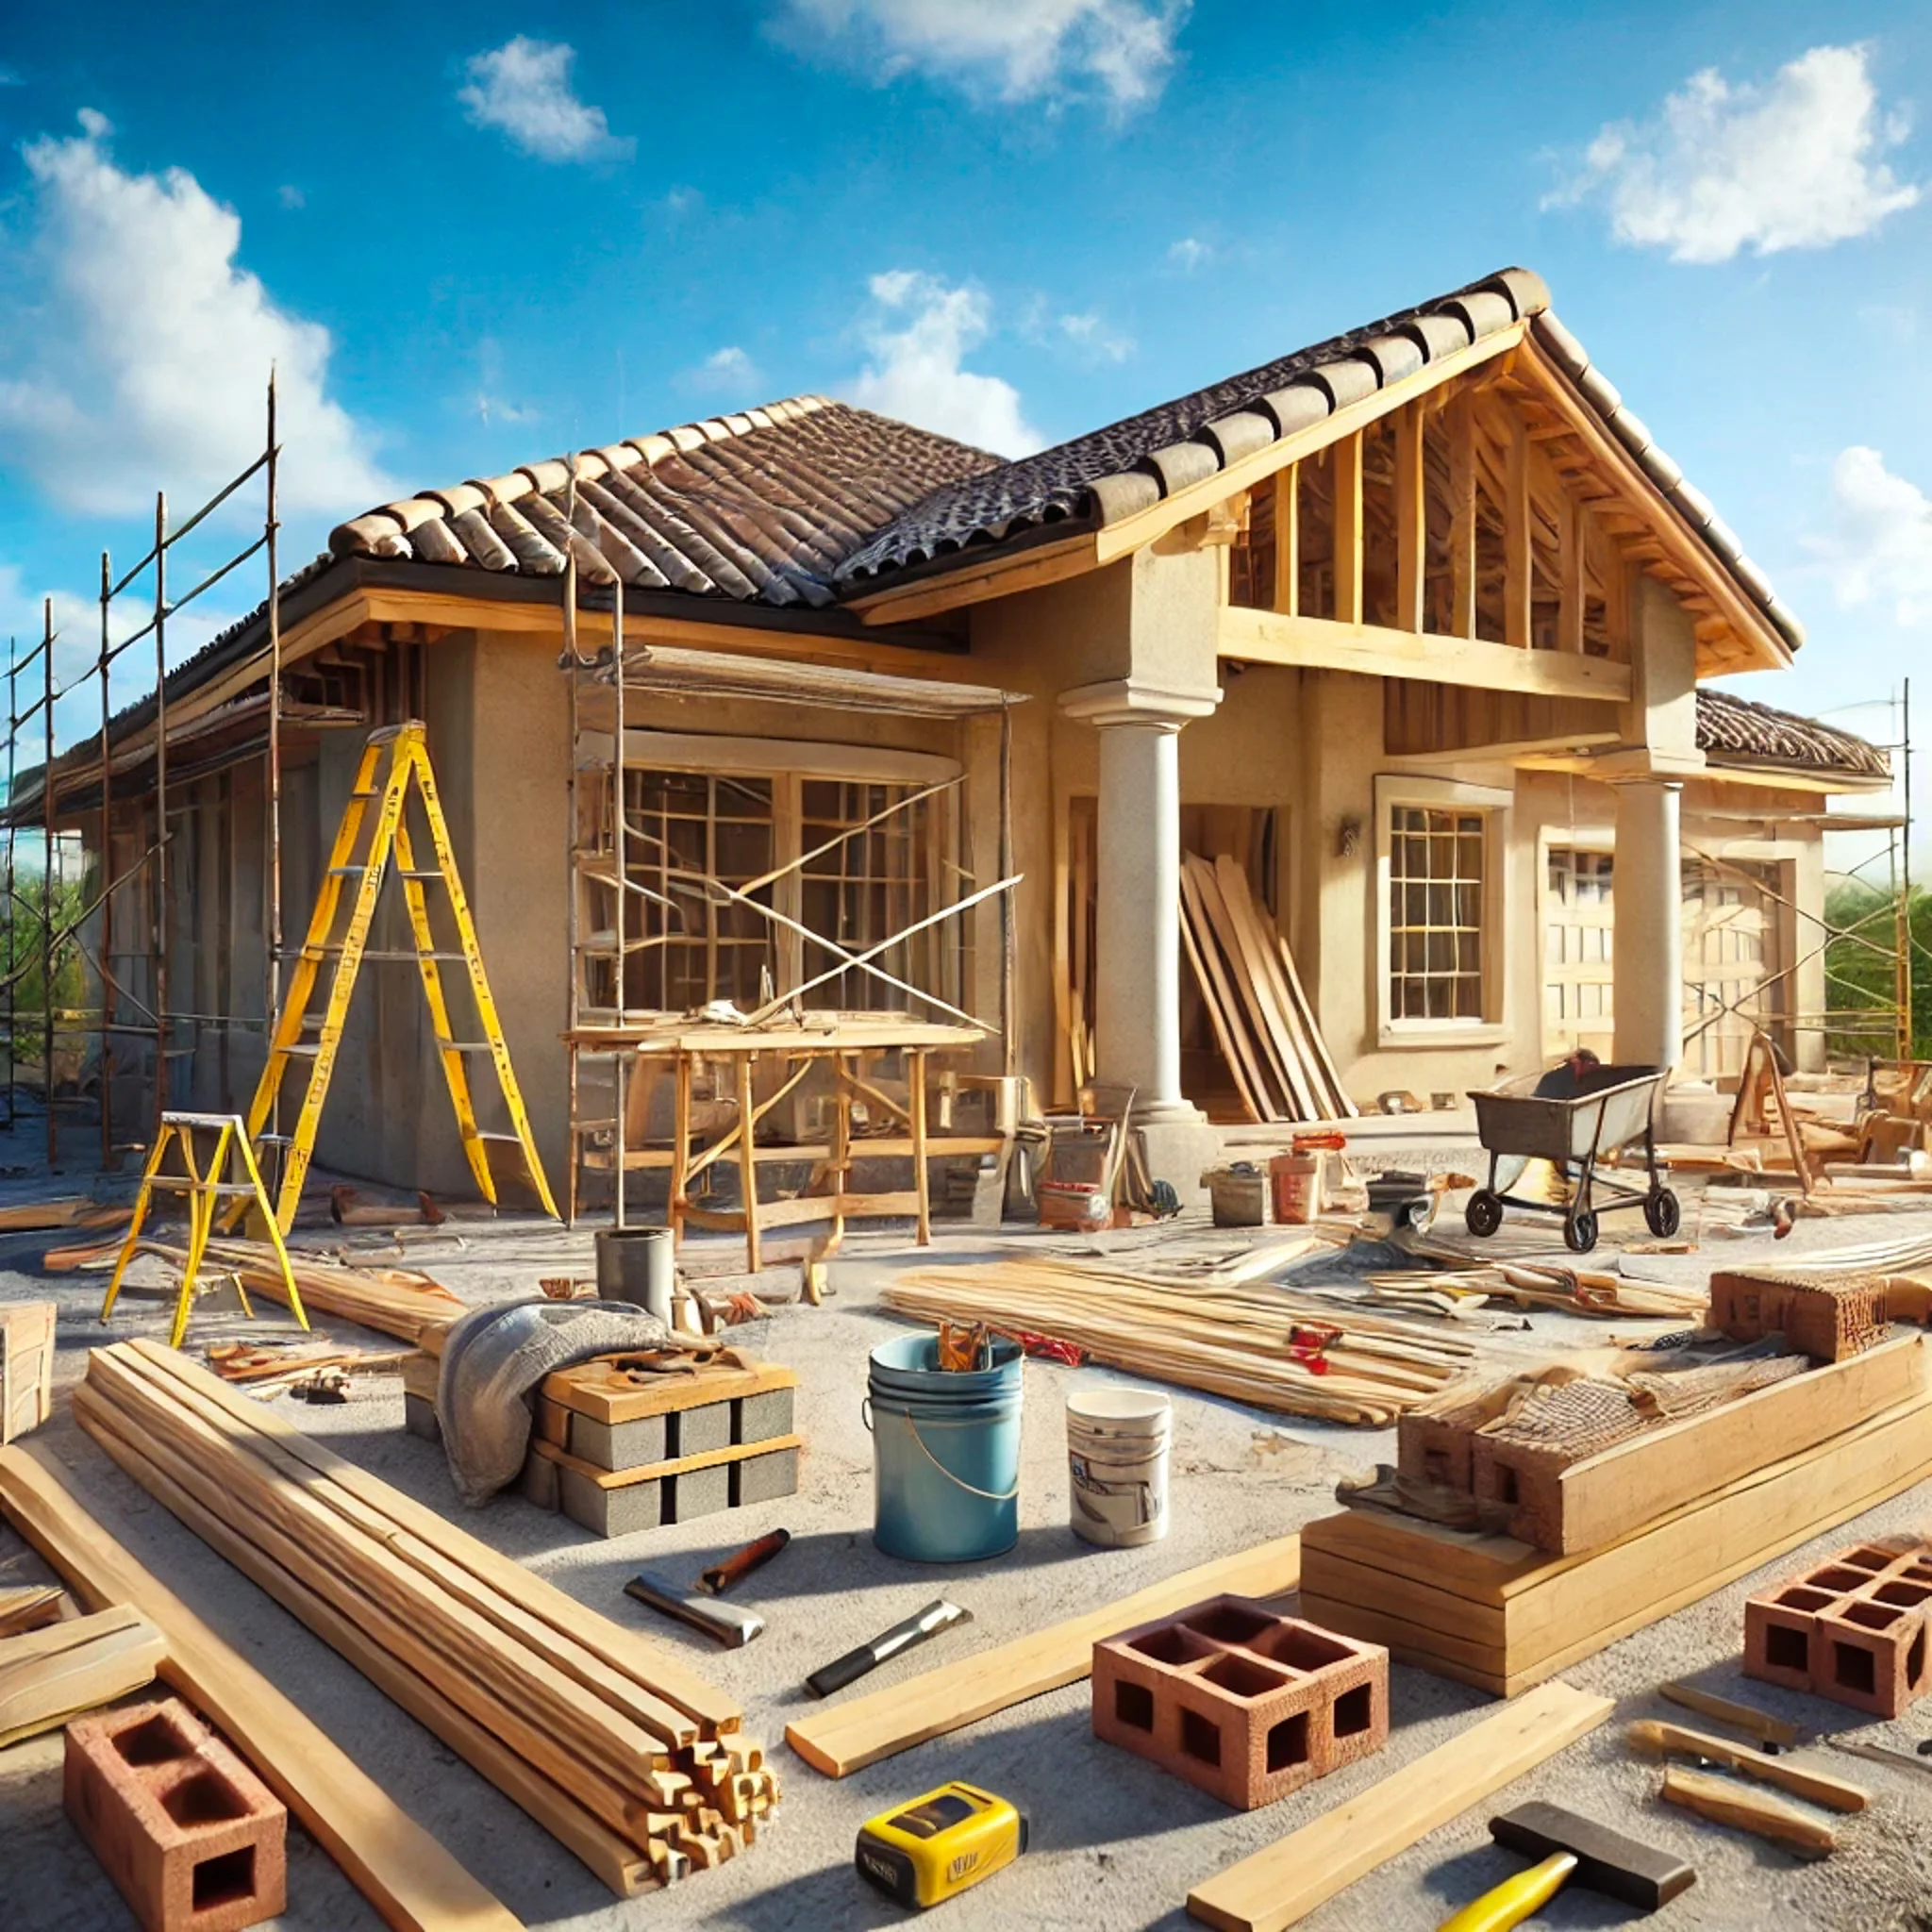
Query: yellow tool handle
x=1512, y=1902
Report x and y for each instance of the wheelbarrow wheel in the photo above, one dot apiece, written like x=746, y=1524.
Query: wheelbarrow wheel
x=1484, y=1214
x=1579, y=1233
x=1661, y=1214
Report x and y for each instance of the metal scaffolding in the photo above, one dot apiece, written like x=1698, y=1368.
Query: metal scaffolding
x=111, y=957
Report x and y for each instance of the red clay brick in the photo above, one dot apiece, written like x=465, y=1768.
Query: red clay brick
x=1245, y=1702
x=1822, y=1316
x=1854, y=1629
x=193, y=1839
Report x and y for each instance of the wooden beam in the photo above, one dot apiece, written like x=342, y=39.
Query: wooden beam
x=397, y=1866
x=1345, y=467
x=1411, y=519
x=1025, y=570
x=1459, y=420
x=1262, y=636
x=1571, y=607
x=850, y=1736
x=1282, y=1883
x=1288, y=539
x=56, y=1674
x=1518, y=576
x=1135, y=532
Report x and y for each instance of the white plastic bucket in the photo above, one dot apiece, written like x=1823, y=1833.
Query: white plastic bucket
x=1117, y=1465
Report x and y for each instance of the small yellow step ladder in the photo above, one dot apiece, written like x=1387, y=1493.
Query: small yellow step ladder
x=374, y=831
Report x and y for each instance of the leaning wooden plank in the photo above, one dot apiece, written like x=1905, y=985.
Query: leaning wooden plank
x=57, y=1673
x=1258, y=937
x=1344, y=1107
x=621, y=1865
x=636, y=1656
x=1200, y=879
x=404, y=1873
x=851, y=1736
x=1286, y=1882
x=1213, y=990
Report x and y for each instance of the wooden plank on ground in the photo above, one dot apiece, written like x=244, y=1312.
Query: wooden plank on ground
x=56, y=1674
x=849, y=1737
x=1282, y=1884
x=410, y=1879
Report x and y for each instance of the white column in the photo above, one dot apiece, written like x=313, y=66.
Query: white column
x=1138, y=964
x=1648, y=961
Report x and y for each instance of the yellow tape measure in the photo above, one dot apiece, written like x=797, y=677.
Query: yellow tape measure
x=924, y=1853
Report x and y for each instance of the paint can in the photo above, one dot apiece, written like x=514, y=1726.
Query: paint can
x=1238, y=1194
x=1117, y=1442
x=945, y=1452
x=638, y=1265
x=1297, y=1182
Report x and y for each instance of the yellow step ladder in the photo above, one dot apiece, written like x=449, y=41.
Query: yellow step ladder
x=395, y=761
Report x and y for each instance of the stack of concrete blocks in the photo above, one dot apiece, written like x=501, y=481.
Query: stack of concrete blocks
x=1245, y=1702
x=193, y=1839
x=618, y=1457
x=1828, y=1317
x=1852, y=1629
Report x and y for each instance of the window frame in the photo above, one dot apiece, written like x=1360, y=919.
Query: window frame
x=1495, y=806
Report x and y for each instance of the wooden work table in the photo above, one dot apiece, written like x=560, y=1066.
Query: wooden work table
x=846, y=1042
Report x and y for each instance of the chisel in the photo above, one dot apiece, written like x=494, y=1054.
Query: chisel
x=848, y=1669
x=730, y=1624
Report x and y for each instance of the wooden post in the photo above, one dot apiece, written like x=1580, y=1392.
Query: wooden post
x=747, y=1164
x=1516, y=549
x=680, y=1144
x=1346, y=458
x=161, y=873
x=1570, y=610
x=1411, y=525
x=920, y=1189
x=1288, y=539
x=47, y=883
x=106, y=934
x=1459, y=420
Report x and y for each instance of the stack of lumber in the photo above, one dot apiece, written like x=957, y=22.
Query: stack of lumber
x=614, y=1746
x=29, y=1606
x=1262, y=1022
x=1552, y=1285
x=1268, y=1346
x=56, y=1673
x=1655, y=1522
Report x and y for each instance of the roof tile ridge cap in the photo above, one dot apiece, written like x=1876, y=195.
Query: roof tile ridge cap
x=1683, y=495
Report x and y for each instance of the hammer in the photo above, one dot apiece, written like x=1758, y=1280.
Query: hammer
x=1569, y=1846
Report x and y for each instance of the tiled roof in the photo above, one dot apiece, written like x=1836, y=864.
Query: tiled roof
x=758, y=507
x=1732, y=728
x=1112, y=473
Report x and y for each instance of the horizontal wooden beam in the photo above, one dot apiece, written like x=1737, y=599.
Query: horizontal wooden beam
x=999, y=576
x=1262, y=636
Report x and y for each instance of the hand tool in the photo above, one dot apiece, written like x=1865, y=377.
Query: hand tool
x=733, y=1626
x=1725, y=1803
x=932, y=1849
x=1879, y=1753
x=1569, y=1848
x=740, y=1563
x=848, y=1669
x=1773, y=1732
x=1673, y=1741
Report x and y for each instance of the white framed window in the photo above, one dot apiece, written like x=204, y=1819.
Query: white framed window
x=1441, y=852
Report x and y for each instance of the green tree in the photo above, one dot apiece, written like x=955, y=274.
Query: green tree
x=1859, y=970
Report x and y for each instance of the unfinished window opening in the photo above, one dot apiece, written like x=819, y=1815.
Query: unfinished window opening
x=1438, y=516
x=862, y=889
x=1437, y=878
x=1133, y=1704
x=1315, y=521
x=1734, y=954
x=1200, y=1737
x=1579, y=928
x=1251, y=559
x=1491, y=552
x=1287, y=1742
x=1787, y=1648
x=1378, y=524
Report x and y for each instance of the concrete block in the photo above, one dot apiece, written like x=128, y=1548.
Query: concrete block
x=620, y=1446
x=192, y=1838
x=759, y=1417
x=1852, y=1629
x=419, y=1418
x=698, y=1492
x=538, y=1482
x=765, y=1478
x=695, y=1430
x=613, y=1512
x=1245, y=1702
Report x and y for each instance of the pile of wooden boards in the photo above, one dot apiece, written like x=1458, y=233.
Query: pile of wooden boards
x=1547, y=1284
x=1269, y=1346
x=1262, y=1022
x=614, y=1746
x=1651, y=1524
x=56, y=1672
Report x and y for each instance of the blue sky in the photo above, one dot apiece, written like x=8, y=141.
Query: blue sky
x=471, y=238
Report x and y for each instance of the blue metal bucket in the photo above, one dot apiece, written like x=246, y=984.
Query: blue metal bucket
x=945, y=1453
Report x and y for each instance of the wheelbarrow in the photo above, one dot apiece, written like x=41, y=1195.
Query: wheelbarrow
x=1609, y=1108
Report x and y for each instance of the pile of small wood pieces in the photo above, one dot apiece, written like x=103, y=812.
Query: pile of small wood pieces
x=1543, y=1285
x=1262, y=1022
x=1291, y=1353
x=630, y=1760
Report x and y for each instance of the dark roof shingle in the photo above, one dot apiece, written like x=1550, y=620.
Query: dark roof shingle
x=1730, y=727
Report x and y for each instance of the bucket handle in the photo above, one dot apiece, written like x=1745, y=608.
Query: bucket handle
x=990, y=1495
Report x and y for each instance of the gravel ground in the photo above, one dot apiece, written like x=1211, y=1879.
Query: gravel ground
x=1115, y=1842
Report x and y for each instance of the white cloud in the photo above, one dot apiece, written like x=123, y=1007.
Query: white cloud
x=140, y=356
x=1798, y=164
x=523, y=89
x=1011, y=50
x=1095, y=342
x=918, y=336
x=290, y=197
x=1878, y=549
x=1189, y=253
x=726, y=372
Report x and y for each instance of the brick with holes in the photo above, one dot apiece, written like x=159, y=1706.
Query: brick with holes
x=1245, y=1702
x=192, y=1838
x=1853, y=1628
